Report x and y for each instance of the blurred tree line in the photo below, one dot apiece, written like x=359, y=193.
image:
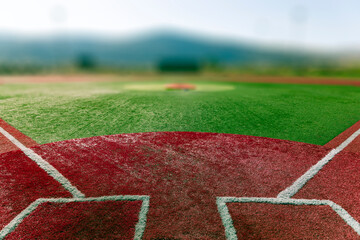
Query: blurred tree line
x=87, y=63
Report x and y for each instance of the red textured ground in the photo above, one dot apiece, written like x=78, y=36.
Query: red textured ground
x=183, y=173
x=6, y=145
x=271, y=221
x=21, y=183
x=337, y=181
x=354, y=146
x=103, y=220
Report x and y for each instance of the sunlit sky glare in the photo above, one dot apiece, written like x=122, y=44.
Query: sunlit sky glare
x=313, y=23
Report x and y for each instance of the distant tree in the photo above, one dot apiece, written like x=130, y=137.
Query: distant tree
x=179, y=65
x=85, y=61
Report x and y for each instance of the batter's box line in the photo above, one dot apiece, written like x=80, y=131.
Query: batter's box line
x=230, y=231
x=139, y=228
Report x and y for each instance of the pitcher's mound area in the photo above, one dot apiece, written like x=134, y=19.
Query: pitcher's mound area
x=180, y=86
x=165, y=186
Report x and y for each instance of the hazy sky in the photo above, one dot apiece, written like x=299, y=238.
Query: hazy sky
x=322, y=23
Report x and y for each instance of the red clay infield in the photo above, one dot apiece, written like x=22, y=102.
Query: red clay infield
x=337, y=181
x=182, y=173
x=21, y=183
x=151, y=77
x=354, y=146
x=103, y=220
x=269, y=221
x=6, y=145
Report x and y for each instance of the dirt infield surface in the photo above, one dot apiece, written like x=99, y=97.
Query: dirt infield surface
x=354, y=146
x=297, y=80
x=177, y=185
x=6, y=145
x=151, y=77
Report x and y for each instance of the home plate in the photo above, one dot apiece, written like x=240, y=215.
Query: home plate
x=169, y=185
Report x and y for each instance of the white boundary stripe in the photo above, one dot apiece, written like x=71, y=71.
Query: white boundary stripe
x=301, y=181
x=47, y=167
x=18, y=219
x=139, y=228
x=348, y=141
x=230, y=230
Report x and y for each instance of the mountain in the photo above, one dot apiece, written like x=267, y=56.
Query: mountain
x=142, y=50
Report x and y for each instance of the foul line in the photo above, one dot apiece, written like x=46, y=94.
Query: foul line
x=77, y=195
x=47, y=167
x=300, y=182
x=284, y=197
x=230, y=231
x=139, y=227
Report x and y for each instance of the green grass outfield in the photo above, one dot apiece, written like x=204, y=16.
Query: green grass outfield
x=58, y=111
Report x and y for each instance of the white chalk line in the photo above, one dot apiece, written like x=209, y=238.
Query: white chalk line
x=230, y=231
x=139, y=227
x=301, y=181
x=77, y=195
x=284, y=197
x=47, y=167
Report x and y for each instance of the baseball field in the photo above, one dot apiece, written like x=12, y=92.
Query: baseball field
x=123, y=157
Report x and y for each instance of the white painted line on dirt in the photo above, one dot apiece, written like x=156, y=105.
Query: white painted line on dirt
x=18, y=219
x=47, y=167
x=139, y=228
x=348, y=141
x=141, y=224
x=230, y=231
x=287, y=201
x=345, y=216
x=301, y=181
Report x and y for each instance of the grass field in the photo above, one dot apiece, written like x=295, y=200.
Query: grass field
x=49, y=112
